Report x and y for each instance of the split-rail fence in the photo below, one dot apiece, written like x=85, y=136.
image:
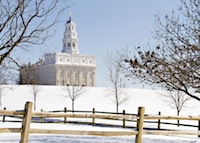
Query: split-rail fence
x=27, y=115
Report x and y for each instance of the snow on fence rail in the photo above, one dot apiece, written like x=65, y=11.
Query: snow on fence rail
x=27, y=115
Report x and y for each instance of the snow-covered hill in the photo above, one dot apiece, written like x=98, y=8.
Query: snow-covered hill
x=53, y=98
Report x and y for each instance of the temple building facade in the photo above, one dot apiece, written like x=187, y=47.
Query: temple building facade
x=67, y=67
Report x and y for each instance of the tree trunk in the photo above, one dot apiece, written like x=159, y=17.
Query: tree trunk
x=34, y=102
x=117, y=107
x=178, y=122
x=73, y=106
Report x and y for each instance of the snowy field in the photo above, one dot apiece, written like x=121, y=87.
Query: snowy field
x=52, y=98
x=14, y=138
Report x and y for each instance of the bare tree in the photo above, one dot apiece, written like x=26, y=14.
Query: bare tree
x=175, y=63
x=176, y=100
x=73, y=92
x=2, y=82
x=73, y=85
x=1, y=94
x=25, y=23
x=116, y=78
x=34, y=88
x=3, y=91
x=34, y=91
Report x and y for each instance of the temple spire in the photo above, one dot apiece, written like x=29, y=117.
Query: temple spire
x=70, y=39
x=70, y=16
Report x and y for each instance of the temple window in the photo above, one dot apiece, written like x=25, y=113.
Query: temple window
x=68, y=44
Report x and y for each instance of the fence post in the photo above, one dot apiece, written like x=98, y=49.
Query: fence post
x=41, y=117
x=93, y=119
x=124, y=125
x=65, y=118
x=140, y=120
x=159, y=113
x=4, y=116
x=26, y=122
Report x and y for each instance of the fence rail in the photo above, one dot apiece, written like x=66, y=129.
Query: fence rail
x=27, y=117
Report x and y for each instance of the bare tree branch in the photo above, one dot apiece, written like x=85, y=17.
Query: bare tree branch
x=26, y=22
x=175, y=63
x=73, y=85
x=177, y=100
x=114, y=75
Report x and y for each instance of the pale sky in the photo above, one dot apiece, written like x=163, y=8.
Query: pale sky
x=108, y=25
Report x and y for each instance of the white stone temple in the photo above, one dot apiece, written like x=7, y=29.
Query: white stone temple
x=65, y=68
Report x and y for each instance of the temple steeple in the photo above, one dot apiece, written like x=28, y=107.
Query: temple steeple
x=70, y=40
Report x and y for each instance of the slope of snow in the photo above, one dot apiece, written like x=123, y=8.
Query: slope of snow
x=53, y=98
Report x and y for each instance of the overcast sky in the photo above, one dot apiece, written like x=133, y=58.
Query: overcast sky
x=107, y=25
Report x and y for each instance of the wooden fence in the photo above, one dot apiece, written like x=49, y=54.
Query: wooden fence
x=27, y=115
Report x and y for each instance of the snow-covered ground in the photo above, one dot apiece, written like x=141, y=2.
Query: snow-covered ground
x=14, y=138
x=52, y=98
